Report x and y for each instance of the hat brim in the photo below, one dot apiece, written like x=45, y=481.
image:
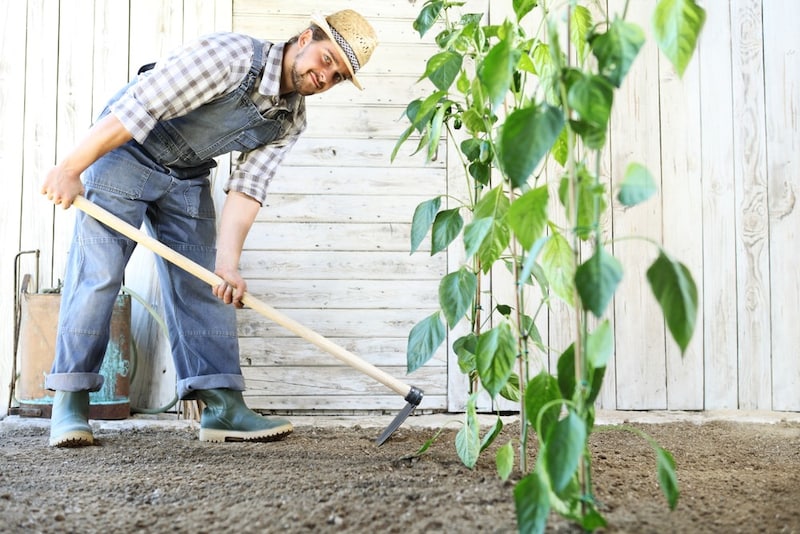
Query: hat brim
x=320, y=21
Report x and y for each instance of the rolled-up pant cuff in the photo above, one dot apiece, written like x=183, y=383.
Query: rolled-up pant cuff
x=188, y=386
x=74, y=381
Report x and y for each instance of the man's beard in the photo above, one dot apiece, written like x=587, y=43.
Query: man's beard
x=295, y=77
x=297, y=80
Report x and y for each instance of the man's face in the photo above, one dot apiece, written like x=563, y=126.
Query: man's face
x=318, y=66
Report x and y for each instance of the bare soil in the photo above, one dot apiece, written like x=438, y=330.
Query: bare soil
x=734, y=477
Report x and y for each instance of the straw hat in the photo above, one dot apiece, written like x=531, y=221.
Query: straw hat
x=353, y=35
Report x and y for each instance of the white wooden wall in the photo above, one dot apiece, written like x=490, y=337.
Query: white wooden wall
x=330, y=248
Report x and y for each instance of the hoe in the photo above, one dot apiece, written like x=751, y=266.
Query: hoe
x=412, y=395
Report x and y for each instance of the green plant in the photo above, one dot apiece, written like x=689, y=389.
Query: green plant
x=516, y=103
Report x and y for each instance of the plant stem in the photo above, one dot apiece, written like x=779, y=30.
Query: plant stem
x=522, y=342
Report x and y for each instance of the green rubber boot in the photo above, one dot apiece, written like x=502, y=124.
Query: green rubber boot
x=69, y=421
x=227, y=418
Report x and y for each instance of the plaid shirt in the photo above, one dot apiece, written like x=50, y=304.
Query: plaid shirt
x=202, y=71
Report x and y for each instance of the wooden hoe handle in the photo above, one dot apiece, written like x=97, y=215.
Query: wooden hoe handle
x=128, y=230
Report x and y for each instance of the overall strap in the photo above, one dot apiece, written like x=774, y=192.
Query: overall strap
x=255, y=67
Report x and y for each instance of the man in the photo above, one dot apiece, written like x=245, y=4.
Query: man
x=148, y=159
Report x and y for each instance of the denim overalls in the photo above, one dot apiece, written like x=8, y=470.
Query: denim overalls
x=164, y=183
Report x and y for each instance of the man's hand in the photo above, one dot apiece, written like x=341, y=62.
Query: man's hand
x=63, y=182
x=62, y=186
x=238, y=215
x=233, y=287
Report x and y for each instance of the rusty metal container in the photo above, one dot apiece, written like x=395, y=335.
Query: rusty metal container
x=38, y=323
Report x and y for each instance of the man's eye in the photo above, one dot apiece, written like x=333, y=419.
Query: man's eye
x=326, y=59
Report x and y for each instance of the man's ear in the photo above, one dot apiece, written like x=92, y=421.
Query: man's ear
x=306, y=37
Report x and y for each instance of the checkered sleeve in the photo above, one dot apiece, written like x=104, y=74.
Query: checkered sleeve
x=195, y=74
x=254, y=170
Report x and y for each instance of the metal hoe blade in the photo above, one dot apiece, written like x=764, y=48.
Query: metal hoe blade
x=413, y=399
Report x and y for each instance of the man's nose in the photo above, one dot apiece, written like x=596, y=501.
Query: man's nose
x=329, y=75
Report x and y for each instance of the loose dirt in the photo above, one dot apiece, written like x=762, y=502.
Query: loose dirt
x=734, y=477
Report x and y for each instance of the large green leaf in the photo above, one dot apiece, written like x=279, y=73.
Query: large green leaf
x=667, y=479
x=600, y=345
x=541, y=390
x=497, y=351
x=560, y=148
x=597, y=279
x=676, y=26
x=523, y=7
x=616, y=49
x=527, y=216
x=428, y=16
x=567, y=381
x=580, y=25
x=532, y=503
x=442, y=69
x=530, y=267
x=465, y=348
x=676, y=292
x=434, y=134
x=468, y=439
x=511, y=390
x=457, y=294
x=400, y=141
x=525, y=138
x=494, y=244
x=422, y=221
x=637, y=185
x=446, y=227
x=481, y=172
x=592, y=97
x=565, y=369
x=557, y=261
x=423, y=340
x=504, y=460
x=591, y=201
x=563, y=450
x=420, y=112
x=492, y=434
x=496, y=72
x=474, y=234
x=493, y=206
x=471, y=148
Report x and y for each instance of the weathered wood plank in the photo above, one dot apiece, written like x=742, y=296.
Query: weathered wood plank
x=334, y=207
x=330, y=236
x=295, y=351
x=752, y=210
x=13, y=35
x=333, y=323
x=302, y=404
x=719, y=300
x=379, y=10
x=336, y=381
x=110, y=69
x=394, y=91
x=347, y=294
x=74, y=112
x=335, y=265
x=355, y=153
x=682, y=201
x=782, y=98
x=388, y=180
x=357, y=120
x=641, y=371
x=39, y=138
